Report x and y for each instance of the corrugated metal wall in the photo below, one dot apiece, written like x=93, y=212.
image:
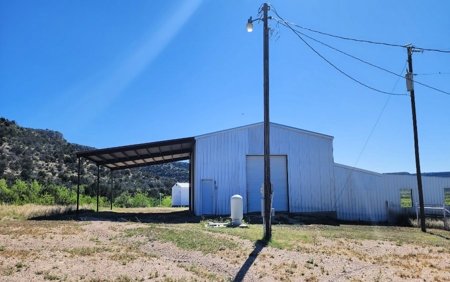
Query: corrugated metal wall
x=368, y=196
x=358, y=194
x=222, y=157
x=315, y=182
x=310, y=168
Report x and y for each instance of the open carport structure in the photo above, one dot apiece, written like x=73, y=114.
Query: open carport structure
x=138, y=155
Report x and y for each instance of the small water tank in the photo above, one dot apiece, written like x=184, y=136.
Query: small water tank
x=237, y=209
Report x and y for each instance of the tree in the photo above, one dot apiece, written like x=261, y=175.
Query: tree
x=6, y=195
x=123, y=201
x=140, y=201
x=20, y=188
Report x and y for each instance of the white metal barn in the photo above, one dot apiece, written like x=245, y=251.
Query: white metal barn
x=370, y=196
x=303, y=173
x=304, y=176
x=231, y=162
x=180, y=195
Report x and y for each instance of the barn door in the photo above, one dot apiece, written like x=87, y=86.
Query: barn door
x=255, y=179
x=207, y=187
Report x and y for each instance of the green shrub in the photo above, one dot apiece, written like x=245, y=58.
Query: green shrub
x=140, y=200
x=167, y=201
x=6, y=195
x=46, y=200
x=22, y=192
x=123, y=201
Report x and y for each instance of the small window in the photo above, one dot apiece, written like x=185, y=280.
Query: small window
x=447, y=196
x=406, y=198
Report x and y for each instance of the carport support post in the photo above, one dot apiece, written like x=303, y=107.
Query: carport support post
x=78, y=185
x=190, y=185
x=98, y=184
x=112, y=187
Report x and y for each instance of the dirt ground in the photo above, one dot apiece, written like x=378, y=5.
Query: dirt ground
x=102, y=249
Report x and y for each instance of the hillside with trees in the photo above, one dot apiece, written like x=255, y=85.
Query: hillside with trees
x=43, y=158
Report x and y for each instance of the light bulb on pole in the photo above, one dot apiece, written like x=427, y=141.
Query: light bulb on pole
x=250, y=25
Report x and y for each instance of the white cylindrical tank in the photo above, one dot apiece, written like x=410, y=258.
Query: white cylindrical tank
x=237, y=209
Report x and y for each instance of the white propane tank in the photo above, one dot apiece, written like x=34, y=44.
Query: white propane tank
x=237, y=209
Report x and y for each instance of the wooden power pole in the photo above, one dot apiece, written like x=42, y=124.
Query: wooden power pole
x=410, y=88
x=267, y=182
x=267, y=186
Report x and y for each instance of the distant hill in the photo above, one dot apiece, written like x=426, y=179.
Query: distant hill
x=44, y=155
x=433, y=174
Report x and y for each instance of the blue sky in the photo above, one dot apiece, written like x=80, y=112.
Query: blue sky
x=112, y=73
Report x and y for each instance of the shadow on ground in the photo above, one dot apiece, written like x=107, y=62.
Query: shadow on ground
x=150, y=216
x=259, y=245
x=174, y=216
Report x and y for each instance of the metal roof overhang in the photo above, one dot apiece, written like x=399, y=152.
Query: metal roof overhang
x=145, y=154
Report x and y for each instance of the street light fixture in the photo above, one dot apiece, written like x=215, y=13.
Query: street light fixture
x=250, y=25
x=267, y=182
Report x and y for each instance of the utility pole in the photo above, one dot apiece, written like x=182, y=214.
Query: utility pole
x=267, y=186
x=267, y=183
x=410, y=88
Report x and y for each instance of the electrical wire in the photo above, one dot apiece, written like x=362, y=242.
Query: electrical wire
x=288, y=25
x=334, y=66
x=360, y=40
x=342, y=52
x=436, y=73
x=433, y=50
x=368, y=138
x=370, y=64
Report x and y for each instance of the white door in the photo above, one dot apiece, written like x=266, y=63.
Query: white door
x=255, y=179
x=207, y=196
x=176, y=197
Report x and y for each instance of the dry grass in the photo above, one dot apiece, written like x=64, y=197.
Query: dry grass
x=8, y=212
x=105, y=250
x=432, y=223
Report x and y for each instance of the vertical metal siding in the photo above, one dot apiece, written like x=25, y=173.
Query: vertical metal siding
x=368, y=196
x=222, y=157
x=310, y=169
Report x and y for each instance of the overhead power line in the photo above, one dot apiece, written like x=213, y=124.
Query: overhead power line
x=370, y=64
x=360, y=40
x=298, y=33
x=368, y=138
x=434, y=50
x=341, y=71
x=435, y=73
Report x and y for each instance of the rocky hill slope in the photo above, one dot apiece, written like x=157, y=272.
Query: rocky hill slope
x=44, y=155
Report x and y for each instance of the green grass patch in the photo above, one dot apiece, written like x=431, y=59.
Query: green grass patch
x=51, y=277
x=8, y=271
x=406, y=198
x=405, y=203
x=201, y=272
x=290, y=237
x=187, y=237
x=87, y=251
x=447, y=196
